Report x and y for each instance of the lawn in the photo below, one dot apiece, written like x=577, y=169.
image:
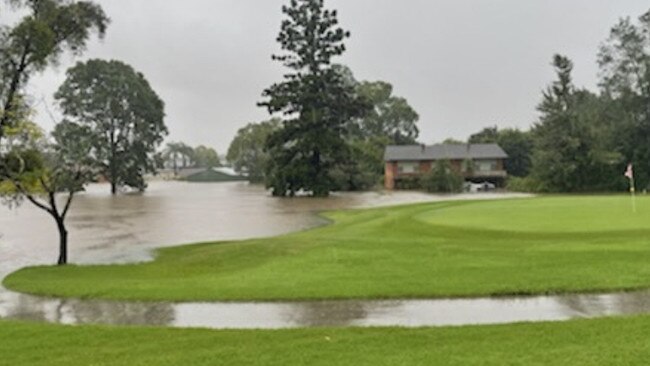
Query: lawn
x=586, y=342
x=453, y=249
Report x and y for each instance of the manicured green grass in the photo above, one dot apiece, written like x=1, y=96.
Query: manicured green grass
x=527, y=246
x=593, y=342
x=552, y=214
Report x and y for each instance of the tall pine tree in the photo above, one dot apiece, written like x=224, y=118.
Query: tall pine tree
x=569, y=153
x=314, y=98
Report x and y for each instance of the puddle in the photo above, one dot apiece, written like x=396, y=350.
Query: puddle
x=406, y=313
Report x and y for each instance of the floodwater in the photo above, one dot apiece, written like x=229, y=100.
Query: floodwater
x=105, y=229
x=125, y=228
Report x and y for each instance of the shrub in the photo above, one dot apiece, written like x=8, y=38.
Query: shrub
x=442, y=179
x=408, y=183
x=351, y=178
x=524, y=184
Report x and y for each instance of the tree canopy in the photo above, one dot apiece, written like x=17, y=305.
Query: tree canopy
x=516, y=143
x=206, y=157
x=247, y=152
x=49, y=28
x=124, y=116
x=390, y=116
x=177, y=155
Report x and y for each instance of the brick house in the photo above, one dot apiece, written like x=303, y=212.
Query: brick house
x=475, y=162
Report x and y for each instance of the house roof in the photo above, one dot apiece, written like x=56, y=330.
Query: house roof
x=187, y=172
x=444, y=152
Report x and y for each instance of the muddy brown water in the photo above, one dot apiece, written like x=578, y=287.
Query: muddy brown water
x=105, y=229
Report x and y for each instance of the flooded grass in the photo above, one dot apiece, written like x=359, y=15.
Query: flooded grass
x=452, y=249
x=596, y=342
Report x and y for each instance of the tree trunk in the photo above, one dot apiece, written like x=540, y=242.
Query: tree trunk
x=63, y=242
x=320, y=186
x=112, y=162
x=58, y=216
x=13, y=89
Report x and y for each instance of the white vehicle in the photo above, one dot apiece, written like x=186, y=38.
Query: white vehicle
x=479, y=187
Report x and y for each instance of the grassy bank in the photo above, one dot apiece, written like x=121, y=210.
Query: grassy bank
x=596, y=342
x=526, y=246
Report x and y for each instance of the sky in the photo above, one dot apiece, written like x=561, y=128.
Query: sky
x=461, y=64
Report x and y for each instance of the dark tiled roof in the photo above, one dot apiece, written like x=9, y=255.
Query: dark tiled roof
x=444, y=152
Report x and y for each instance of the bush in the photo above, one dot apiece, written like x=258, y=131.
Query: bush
x=525, y=185
x=408, y=183
x=442, y=179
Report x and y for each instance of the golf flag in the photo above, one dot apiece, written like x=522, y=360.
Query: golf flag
x=629, y=173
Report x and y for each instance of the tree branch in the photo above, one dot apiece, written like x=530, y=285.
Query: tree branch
x=52, y=200
x=31, y=198
x=67, y=204
x=45, y=185
x=14, y=88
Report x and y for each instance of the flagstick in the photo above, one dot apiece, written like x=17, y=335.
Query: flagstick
x=633, y=191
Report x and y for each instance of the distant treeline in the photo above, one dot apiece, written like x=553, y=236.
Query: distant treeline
x=178, y=155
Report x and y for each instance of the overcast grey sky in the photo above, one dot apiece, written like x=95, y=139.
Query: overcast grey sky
x=462, y=64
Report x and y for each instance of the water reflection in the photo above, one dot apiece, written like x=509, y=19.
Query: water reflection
x=24, y=307
x=408, y=313
x=328, y=313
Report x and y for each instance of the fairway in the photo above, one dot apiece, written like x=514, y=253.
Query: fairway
x=452, y=249
x=593, y=342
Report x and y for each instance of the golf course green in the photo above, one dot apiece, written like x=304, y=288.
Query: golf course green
x=449, y=249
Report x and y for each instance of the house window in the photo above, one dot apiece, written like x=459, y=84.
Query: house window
x=486, y=165
x=408, y=167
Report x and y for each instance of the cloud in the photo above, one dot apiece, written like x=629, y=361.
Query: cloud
x=462, y=64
